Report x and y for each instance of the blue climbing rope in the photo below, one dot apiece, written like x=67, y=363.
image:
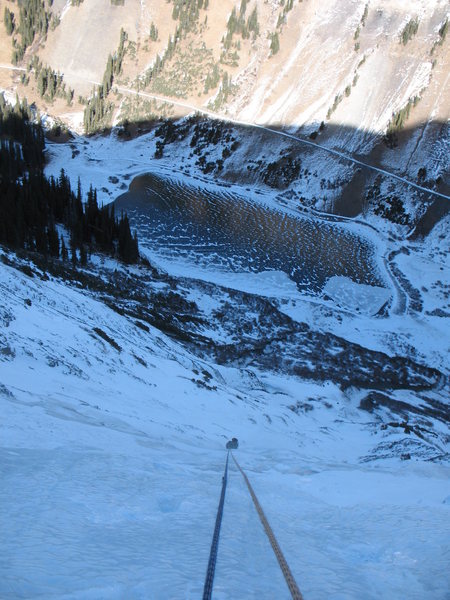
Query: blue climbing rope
x=207, y=590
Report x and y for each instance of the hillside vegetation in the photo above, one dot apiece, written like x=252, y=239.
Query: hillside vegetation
x=367, y=78
x=290, y=62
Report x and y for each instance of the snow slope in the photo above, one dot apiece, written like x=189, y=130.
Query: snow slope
x=112, y=462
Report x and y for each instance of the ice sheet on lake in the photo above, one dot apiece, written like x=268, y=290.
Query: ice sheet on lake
x=366, y=299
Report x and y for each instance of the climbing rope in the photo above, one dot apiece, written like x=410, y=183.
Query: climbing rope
x=292, y=585
x=207, y=590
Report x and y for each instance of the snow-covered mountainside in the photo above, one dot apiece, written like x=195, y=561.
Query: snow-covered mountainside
x=119, y=389
x=120, y=386
x=285, y=166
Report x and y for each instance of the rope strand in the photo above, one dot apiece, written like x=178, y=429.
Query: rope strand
x=209, y=581
x=292, y=585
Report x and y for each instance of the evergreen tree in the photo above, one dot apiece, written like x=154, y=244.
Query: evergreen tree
x=31, y=205
x=108, y=76
x=128, y=246
x=8, y=19
x=64, y=253
x=274, y=43
x=252, y=23
x=153, y=32
x=53, y=240
x=118, y=59
x=83, y=255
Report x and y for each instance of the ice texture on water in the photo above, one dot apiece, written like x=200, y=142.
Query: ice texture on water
x=228, y=232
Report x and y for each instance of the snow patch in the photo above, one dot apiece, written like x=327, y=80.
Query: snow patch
x=366, y=299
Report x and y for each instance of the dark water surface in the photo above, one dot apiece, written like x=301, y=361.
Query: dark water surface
x=224, y=230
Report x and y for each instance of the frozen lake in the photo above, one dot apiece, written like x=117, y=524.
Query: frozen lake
x=227, y=231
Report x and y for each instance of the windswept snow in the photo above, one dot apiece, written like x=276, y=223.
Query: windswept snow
x=112, y=462
x=367, y=299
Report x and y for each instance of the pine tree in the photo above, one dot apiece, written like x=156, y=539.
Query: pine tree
x=108, y=77
x=64, y=253
x=83, y=255
x=8, y=18
x=153, y=32
x=118, y=59
x=274, y=43
x=252, y=23
x=52, y=240
x=128, y=245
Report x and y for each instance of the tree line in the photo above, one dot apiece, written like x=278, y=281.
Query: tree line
x=44, y=214
x=49, y=83
x=187, y=12
x=237, y=24
x=98, y=110
x=34, y=19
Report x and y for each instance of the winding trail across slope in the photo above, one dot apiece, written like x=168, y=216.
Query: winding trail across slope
x=12, y=67
x=284, y=134
x=295, y=138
